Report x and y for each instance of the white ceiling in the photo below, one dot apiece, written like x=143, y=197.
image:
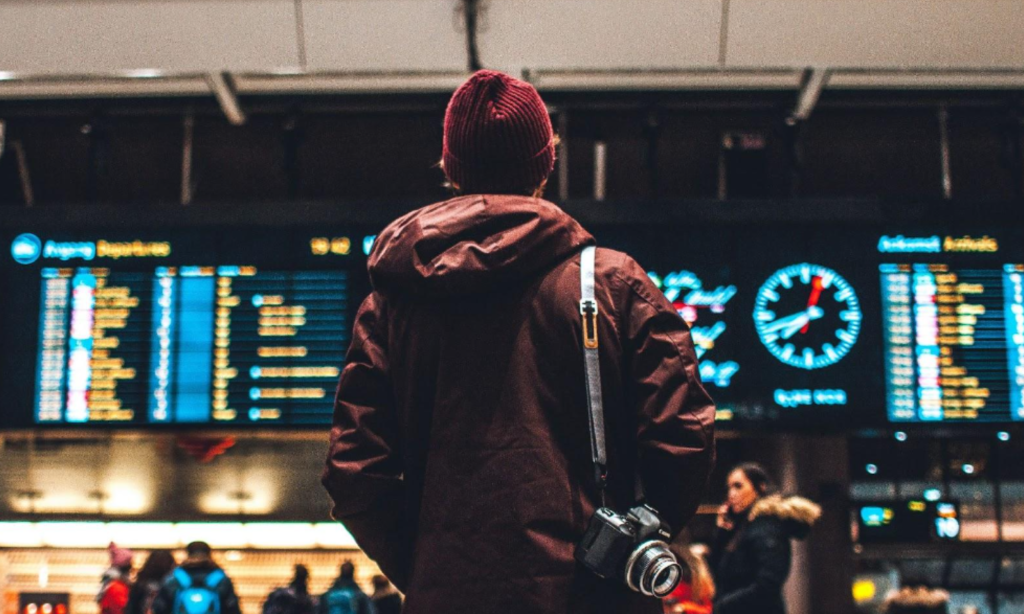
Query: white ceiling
x=389, y=45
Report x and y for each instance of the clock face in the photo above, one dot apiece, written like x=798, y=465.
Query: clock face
x=807, y=316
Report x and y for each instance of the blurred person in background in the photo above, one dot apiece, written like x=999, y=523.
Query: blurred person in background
x=697, y=589
x=917, y=600
x=751, y=556
x=294, y=598
x=385, y=598
x=197, y=586
x=345, y=596
x=148, y=581
x=460, y=455
x=115, y=585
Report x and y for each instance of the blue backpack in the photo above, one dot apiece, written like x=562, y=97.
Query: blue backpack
x=202, y=599
x=339, y=601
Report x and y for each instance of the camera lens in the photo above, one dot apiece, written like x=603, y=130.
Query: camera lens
x=652, y=569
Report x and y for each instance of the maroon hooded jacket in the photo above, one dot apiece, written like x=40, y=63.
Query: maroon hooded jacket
x=460, y=452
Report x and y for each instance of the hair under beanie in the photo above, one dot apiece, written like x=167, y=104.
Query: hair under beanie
x=497, y=135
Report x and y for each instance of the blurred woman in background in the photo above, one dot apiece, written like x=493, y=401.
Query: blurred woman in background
x=751, y=556
x=150, y=578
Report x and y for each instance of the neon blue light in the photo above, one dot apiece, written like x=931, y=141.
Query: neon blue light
x=368, y=242
x=873, y=516
x=718, y=374
x=1013, y=298
x=778, y=333
x=947, y=528
x=26, y=248
x=796, y=398
x=909, y=245
x=69, y=251
x=932, y=494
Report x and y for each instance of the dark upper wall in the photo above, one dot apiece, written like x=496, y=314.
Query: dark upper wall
x=384, y=148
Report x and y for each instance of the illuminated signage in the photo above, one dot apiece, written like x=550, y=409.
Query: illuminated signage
x=27, y=248
x=685, y=290
x=796, y=398
x=935, y=244
x=904, y=245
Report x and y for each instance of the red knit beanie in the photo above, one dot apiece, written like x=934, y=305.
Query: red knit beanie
x=497, y=136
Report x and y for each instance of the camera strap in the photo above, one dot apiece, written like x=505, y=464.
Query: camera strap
x=592, y=373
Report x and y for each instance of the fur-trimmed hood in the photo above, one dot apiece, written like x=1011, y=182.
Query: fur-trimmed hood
x=917, y=600
x=797, y=514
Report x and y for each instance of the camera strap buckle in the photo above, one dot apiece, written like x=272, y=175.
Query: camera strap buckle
x=588, y=312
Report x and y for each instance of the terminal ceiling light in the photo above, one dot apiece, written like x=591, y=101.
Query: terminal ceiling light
x=871, y=468
x=901, y=436
x=968, y=468
x=1003, y=436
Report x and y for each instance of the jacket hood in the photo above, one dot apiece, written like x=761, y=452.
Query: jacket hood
x=472, y=244
x=797, y=514
x=917, y=600
x=199, y=561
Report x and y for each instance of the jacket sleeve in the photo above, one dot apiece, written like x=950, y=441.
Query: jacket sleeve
x=115, y=598
x=228, y=597
x=675, y=415
x=367, y=606
x=164, y=599
x=770, y=550
x=364, y=469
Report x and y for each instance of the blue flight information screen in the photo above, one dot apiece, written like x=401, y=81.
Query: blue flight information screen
x=954, y=342
x=134, y=333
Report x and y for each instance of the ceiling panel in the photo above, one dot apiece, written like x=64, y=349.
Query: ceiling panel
x=76, y=37
x=876, y=33
x=602, y=34
x=383, y=35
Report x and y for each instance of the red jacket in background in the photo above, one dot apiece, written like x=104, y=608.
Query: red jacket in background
x=460, y=452
x=115, y=597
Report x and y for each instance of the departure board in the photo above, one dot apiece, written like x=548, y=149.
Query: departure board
x=146, y=338
x=189, y=344
x=795, y=327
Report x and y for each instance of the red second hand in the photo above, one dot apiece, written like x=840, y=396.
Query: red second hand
x=813, y=300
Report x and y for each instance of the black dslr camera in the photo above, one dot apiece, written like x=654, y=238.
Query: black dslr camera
x=632, y=547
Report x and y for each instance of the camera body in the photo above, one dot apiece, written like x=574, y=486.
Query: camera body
x=632, y=547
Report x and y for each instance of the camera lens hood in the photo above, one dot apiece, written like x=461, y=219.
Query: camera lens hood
x=653, y=559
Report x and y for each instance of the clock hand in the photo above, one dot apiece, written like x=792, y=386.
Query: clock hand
x=786, y=322
x=812, y=301
x=800, y=324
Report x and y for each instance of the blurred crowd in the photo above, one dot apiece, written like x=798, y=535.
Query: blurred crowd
x=198, y=585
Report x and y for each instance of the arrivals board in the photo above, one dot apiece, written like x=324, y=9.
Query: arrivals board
x=794, y=325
